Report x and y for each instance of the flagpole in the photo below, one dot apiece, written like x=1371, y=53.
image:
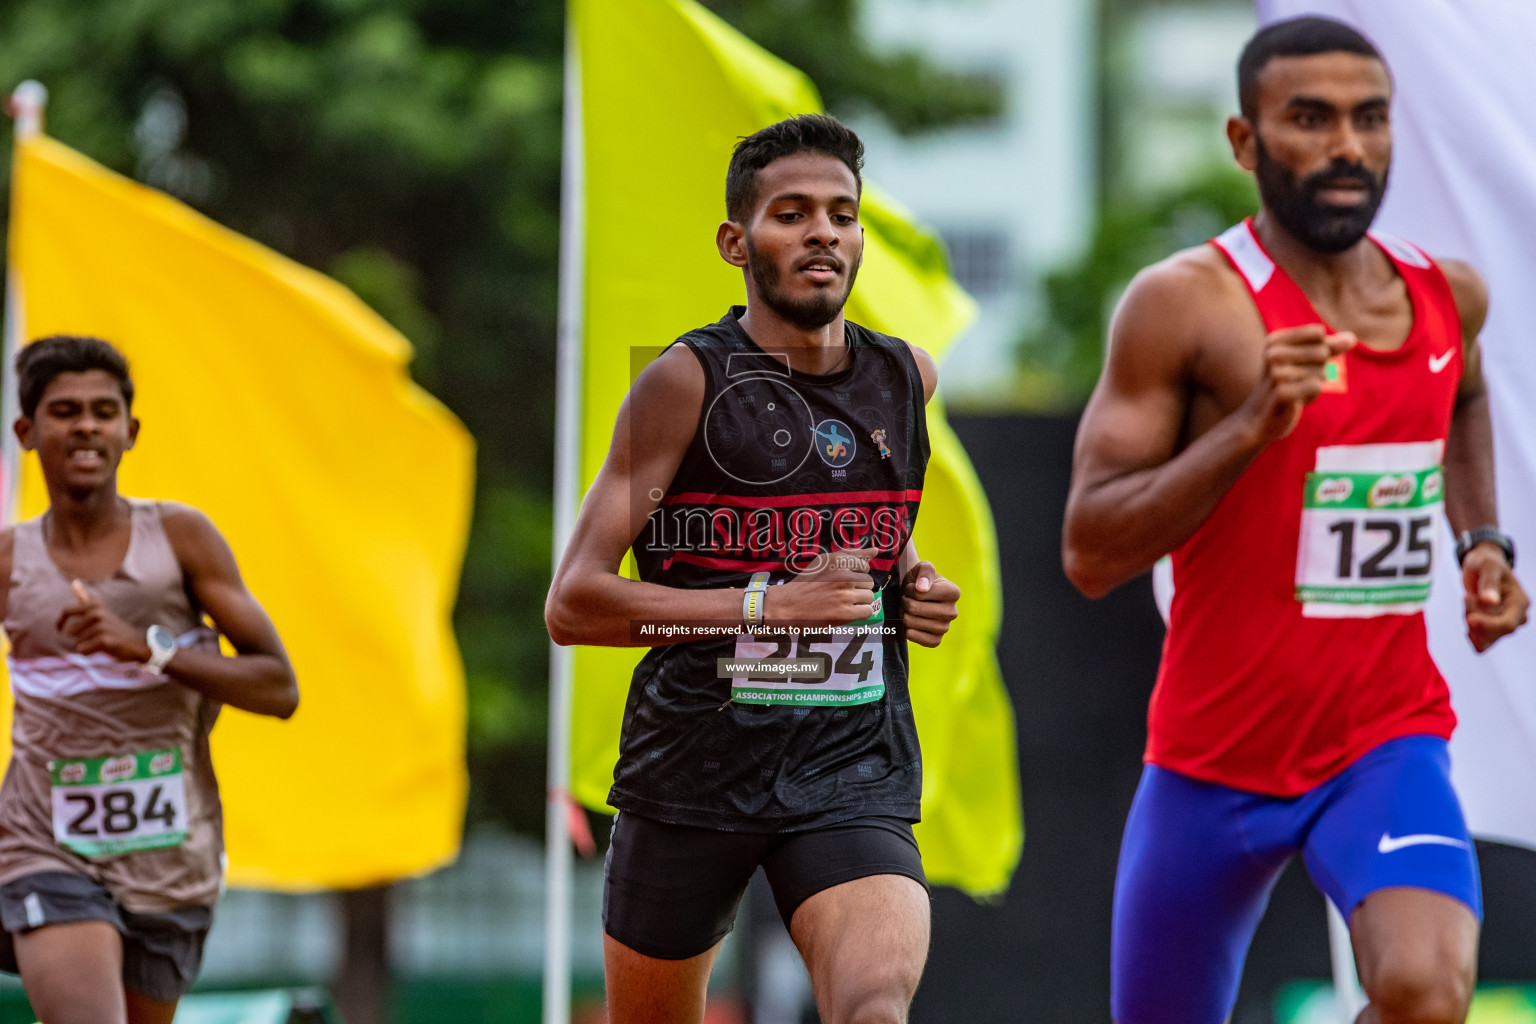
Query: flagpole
x=1347, y=995
x=26, y=107
x=557, y=894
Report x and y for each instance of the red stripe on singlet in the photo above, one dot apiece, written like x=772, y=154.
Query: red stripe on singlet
x=732, y=562
x=791, y=500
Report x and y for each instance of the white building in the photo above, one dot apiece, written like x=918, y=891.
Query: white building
x=1177, y=88
x=1012, y=197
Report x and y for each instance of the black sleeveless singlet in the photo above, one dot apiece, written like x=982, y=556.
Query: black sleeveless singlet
x=783, y=465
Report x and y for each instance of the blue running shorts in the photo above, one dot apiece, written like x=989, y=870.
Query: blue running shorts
x=1199, y=860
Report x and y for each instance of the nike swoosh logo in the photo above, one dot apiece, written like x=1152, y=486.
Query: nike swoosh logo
x=1389, y=842
x=1438, y=363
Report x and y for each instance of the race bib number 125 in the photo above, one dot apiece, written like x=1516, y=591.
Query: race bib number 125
x=1369, y=527
x=104, y=806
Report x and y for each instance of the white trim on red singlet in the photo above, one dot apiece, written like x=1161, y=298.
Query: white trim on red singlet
x=1403, y=250
x=1247, y=255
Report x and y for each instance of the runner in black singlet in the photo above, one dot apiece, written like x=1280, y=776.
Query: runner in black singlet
x=766, y=471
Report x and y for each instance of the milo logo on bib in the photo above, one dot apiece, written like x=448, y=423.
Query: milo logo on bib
x=1392, y=490
x=1369, y=529
x=1333, y=490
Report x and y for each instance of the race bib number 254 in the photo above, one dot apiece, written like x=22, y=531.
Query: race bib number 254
x=835, y=668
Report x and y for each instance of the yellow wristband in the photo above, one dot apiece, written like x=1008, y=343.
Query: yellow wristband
x=754, y=601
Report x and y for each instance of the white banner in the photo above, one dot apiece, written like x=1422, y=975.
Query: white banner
x=1463, y=185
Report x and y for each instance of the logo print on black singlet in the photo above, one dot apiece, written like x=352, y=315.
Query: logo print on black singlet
x=834, y=443
x=759, y=430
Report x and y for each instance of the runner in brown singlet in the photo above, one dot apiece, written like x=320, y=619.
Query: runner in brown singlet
x=111, y=830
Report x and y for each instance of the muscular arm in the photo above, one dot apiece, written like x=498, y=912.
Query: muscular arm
x=1469, y=481
x=589, y=601
x=1493, y=599
x=928, y=599
x=1138, y=489
x=1134, y=496
x=259, y=678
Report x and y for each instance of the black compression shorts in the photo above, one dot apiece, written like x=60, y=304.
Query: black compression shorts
x=671, y=891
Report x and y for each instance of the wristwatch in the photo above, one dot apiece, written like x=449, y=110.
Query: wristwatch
x=1472, y=538
x=162, y=647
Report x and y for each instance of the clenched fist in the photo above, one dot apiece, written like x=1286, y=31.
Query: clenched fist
x=1295, y=361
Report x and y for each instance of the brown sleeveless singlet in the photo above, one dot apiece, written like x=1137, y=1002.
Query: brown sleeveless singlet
x=74, y=709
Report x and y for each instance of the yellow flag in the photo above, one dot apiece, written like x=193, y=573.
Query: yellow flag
x=278, y=403
x=667, y=89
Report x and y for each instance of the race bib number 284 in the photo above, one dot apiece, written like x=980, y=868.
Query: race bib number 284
x=105, y=806
x=1369, y=525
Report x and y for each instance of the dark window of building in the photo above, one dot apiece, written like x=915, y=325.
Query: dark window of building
x=979, y=260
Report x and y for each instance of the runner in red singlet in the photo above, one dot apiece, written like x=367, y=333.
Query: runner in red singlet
x=1287, y=411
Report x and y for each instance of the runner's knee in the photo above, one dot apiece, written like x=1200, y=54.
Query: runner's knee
x=83, y=1015
x=883, y=996
x=884, y=1008
x=1421, y=990
x=58, y=1002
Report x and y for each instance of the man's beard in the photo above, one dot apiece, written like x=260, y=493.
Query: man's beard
x=820, y=309
x=1296, y=205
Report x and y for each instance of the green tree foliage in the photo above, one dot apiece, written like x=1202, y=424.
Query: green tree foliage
x=408, y=147
x=1062, y=352
x=411, y=148
x=817, y=37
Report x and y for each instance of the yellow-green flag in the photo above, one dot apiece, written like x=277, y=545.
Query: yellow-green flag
x=278, y=403
x=667, y=89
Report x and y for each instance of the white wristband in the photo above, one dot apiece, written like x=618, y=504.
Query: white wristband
x=753, y=602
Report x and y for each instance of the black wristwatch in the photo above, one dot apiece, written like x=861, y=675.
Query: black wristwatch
x=1472, y=538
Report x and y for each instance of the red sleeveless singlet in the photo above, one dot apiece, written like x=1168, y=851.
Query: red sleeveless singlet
x=1296, y=639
